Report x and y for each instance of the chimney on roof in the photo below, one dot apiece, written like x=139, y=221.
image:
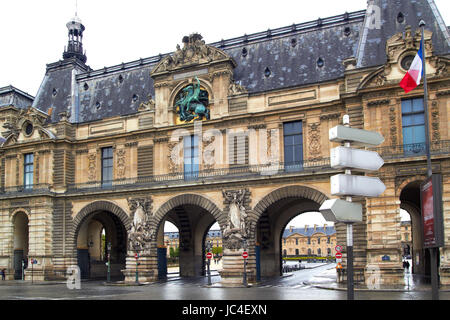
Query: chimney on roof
x=306, y=227
x=291, y=228
x=315, y=226
x=324, y=227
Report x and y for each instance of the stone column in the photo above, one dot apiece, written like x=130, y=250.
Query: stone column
x=141, y=241
x=444, y=268
x=40, y=241
x=237, y=207
x=384, y=254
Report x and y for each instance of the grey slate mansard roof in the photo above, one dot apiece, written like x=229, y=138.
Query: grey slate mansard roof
x=11, y=96
x=99, y=94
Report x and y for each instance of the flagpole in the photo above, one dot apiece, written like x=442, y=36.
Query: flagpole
x=425, y=101
x=433, y=251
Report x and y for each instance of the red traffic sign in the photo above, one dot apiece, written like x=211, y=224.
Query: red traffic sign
x=136, y=255
x=209, y=255
x=338, y=255
x=245, y=254
x=338, y=248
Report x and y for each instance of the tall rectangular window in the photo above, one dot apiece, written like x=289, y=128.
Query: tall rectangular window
x=107, y=166
x=28, y=171
x=293, y=146
x=413, y=126
x=191, y=161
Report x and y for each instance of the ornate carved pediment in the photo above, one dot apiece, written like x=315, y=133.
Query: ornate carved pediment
x=194, y=51
x=401, y=49
x=25, y=124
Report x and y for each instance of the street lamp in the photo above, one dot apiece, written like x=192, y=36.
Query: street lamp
x=108, y=279
x=208, y=248
x=245, y=246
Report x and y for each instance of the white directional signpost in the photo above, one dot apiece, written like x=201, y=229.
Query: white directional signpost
x=348, y=185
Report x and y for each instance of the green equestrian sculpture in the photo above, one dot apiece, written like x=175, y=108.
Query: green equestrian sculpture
x=193, y=102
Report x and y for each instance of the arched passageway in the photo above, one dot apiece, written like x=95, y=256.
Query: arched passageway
x=101, y=237
x=410, y=202
x=275, y=211
x=20, y=244
x=193, y=223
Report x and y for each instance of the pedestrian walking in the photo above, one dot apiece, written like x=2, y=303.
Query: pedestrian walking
x=3, y=274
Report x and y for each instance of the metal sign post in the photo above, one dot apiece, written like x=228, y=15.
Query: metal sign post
x=137, y=264
x=245, y=256
x=344, y=157
x=209, y=256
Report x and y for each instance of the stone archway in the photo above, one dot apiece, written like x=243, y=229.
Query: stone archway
x=409, y=196
x=193, y=215
x=20, y=242
x=271, y=215
x=90, y=245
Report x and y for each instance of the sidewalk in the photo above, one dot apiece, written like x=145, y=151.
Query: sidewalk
x=327, y=280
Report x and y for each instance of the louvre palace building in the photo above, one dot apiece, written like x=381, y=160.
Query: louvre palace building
x=233, y=132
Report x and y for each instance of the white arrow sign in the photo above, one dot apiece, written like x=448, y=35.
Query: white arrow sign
x=361, y=160
x=337, y=210
x=346, y=184
x=355, y=136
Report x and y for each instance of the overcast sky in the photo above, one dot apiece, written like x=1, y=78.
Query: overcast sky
x=33, y=32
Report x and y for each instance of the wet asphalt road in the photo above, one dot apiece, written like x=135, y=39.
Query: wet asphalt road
x=291, y=287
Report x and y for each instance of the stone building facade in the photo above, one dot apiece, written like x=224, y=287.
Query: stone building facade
x=172, y=240
x=233, y=132
x=309, y=241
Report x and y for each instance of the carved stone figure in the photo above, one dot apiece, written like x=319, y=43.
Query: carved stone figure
x=140, y=233
x=194, y=51
x=237, y=228
x=148, y=105
x=235, y=89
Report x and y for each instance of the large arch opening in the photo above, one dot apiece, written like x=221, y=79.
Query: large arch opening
x=20, y=244
x=101, y=238
x=419, y=257
x=275, y=211
x=186, y=240
x=308, y=239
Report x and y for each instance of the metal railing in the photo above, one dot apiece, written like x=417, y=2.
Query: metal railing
x=413, y=150
x=232, y=172
x=235, y=172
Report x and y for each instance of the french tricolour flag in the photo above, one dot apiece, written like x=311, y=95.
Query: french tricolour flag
x=414, y=74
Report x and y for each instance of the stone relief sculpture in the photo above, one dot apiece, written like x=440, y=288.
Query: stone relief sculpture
x=237, y=228
x=140, y=233
x=91, y=167
x=120, y=163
